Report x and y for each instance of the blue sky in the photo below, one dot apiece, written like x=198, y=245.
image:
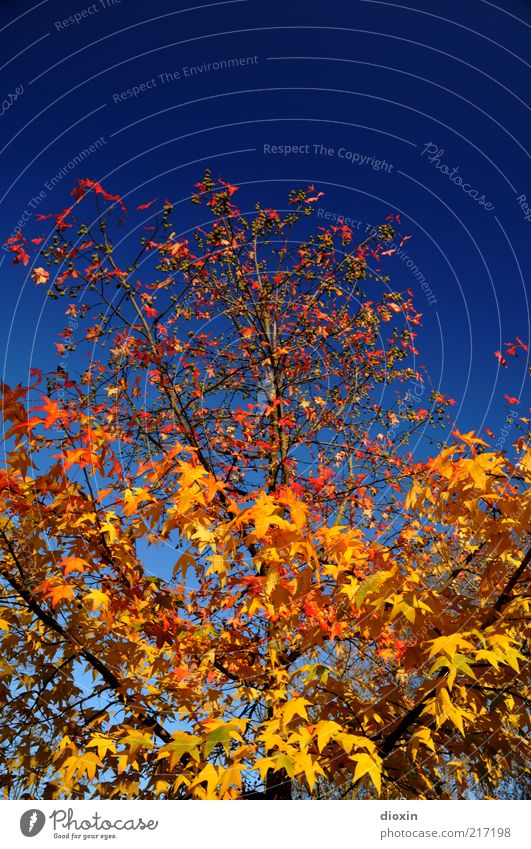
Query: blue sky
x=418, y=109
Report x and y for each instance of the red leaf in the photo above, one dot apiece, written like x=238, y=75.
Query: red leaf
x=83, y=186
x=146, y=205
x=230, y=189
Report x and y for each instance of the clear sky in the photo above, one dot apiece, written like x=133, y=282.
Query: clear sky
x=417, y=108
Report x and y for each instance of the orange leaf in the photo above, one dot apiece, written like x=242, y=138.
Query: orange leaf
x=73, y=564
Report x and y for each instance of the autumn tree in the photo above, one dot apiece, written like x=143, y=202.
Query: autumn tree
x=338, y=620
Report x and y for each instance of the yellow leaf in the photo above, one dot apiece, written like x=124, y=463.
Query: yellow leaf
x=108, y=528
x=209, y=775
x=123, y=760
x=310, y=767
x=204, y=536
x=85, y=764
x=264, y=765
x=372, y=585
x=325, y=730
x=218, y=565
x=98, y=599
x=137, y=740
x=182, y=743
x=456, y=716
x=184, y=562
x=231, y=776
x=220, y=735
x=132, y=499
x=449, y=644
x=271, y=580
x=368, y=765
x=254, y=605
x=103, y=744
x=295, y=707
x=297, y=509
x=444, y=709
x=422, y=736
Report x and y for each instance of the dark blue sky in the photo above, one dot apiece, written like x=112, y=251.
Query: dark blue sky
x=350, y=85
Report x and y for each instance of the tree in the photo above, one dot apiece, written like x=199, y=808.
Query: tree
x=338, y=620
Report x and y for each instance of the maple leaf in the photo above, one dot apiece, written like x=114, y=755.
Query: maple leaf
x=56, y=592
x=210, y=776
x=469, y=438
x=367, y=764
x=325, y=731
x=295, y=707
x=133, y=499
x=136, y=740
x=40, y=276
x=73, y=564
x=81, y=765
x=220, y=734
x=53, y=412
x=85, y=185
x=97, y=599
x=422, y=736
x=231, y=777
x=181, y=745
x=103, y=743
x=107, y=527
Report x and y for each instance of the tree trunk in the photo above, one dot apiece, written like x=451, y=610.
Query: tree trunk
x=278, y=785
